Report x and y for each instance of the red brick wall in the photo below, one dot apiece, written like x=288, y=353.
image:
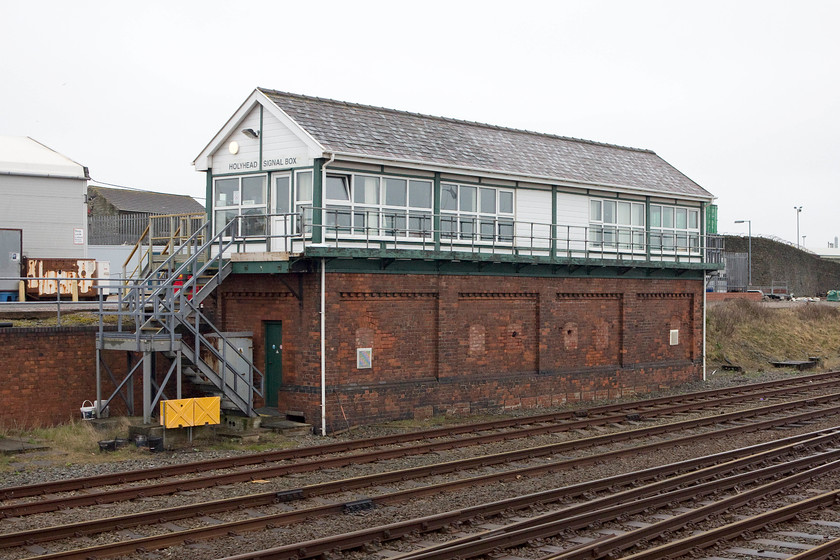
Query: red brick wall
x=464, y=343
x=47, y=372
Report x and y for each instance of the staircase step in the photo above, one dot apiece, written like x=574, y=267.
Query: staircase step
x=159, y=299
x=286, y=427
x=208, y=388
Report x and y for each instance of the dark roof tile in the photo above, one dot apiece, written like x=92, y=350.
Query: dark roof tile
x=128, y=200
x=386, y=133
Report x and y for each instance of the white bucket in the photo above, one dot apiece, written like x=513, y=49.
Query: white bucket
x=88, y=412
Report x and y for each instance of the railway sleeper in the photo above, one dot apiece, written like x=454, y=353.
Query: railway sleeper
x=289, y=495
x=799, y=384
x=359, y=505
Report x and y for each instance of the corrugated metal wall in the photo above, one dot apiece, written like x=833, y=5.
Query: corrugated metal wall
x=737, y=271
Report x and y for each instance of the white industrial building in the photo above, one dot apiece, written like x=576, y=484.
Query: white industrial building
x=43, y=193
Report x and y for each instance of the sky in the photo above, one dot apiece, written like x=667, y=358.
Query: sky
x=741, y=96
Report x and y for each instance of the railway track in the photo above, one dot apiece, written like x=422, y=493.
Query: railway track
x=540, y=460
x=518, y=428
x=111, y=495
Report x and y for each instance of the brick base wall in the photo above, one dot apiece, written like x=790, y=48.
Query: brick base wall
x=46, y=373
x=448, y=344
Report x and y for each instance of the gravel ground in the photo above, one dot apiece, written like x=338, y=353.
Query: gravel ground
x=337, y=524
x=36, y=467
x=418, y=508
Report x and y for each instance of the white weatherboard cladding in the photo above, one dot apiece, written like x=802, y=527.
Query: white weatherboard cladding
x=533, y=218
x=572, y=221
x=281, y=148
x=48, y=210
x=248, y=157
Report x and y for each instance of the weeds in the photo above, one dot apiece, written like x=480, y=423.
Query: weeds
x=749, y=334
x=76, y=442
x=810, y=312
x=724, y=319
x=68, y=319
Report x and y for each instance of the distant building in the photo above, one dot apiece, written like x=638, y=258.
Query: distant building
x=43, y=193
x=104, y=201
x=119, y=216
x=827, y=253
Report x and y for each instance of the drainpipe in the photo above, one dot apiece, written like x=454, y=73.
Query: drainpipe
x=705, y=280
x=323, y=350
x=323, y=326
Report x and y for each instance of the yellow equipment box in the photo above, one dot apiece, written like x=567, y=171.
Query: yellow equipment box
x=179, y=413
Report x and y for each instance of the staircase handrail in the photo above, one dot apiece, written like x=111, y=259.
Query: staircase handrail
x=166, y=265
x=201, y=340
x=162, y=297
x=137, y=247
x=223, y=245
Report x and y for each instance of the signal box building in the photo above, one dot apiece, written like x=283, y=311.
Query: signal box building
x=396, y=265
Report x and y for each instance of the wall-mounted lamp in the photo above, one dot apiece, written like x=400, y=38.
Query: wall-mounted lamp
x=251, y=133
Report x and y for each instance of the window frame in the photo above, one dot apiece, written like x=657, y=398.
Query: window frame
x=670, y=239
x=303, y=206
x=606, y=230
x=376, y=219
x=481, y=226
x=239, y=208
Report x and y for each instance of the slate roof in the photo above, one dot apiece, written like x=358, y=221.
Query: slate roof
x=127, y=200
x=350, y=128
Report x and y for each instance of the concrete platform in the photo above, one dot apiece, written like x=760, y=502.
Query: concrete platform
x=13, y=446
x=286, y=427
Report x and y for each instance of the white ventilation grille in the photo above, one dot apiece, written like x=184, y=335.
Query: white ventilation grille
x=364, y=358
x=675, y=337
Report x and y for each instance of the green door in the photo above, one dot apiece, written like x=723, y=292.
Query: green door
x=273, y=361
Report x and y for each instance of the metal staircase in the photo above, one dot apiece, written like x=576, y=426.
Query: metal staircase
x=160, y=312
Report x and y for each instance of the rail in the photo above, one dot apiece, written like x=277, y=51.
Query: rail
x=744, y=464
x=64, y=286
x=476, y=235
x=596, y=415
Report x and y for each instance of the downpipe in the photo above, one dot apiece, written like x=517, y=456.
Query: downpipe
x=323, y=350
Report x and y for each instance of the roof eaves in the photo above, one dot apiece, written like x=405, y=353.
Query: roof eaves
x=257, y=97
x=314, y=144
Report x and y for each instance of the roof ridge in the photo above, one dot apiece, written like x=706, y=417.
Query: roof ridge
x=453, y=120
x=100, y=185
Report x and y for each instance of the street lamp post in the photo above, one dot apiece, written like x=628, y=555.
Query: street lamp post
x=749, y=249
x=798, y=211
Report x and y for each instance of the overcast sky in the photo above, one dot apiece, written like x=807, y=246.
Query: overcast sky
x=743, y=97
